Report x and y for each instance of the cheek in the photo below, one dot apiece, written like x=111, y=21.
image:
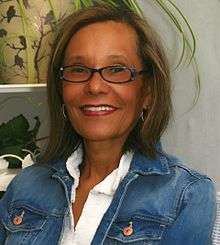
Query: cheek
x=67, y=91
x=71, y=93
x=70, y=99
x=134, y=100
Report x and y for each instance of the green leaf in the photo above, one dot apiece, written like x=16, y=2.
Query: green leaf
x=77, y=4
x=193, y=49
x=110, y=2
x=133, y=5
x=16, y=128
x=86, y=3
x=16, y=136
x=185, y=40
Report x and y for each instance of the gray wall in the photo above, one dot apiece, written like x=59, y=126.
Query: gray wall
x=194, y=135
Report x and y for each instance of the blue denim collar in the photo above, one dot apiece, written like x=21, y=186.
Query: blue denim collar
x=140, y=163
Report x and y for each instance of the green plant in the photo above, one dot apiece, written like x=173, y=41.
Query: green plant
x=189, y=44
x=16, y=140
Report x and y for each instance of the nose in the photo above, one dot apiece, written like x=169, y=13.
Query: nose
x=96, y=85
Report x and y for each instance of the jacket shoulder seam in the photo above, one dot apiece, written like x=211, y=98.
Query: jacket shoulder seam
x=192, y=172
x=184, y=190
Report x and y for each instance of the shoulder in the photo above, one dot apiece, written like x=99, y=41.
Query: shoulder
x=32, y=175
x=39, y=172
x=176, y=185
x=165, y=165
x=185, y=173
x=191, y=183
x=170, y=177
x=35, y=186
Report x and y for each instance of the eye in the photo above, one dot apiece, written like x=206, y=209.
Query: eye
x=77, y=69
x=116, y=69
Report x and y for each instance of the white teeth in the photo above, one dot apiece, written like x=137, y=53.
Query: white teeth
x=99, y=108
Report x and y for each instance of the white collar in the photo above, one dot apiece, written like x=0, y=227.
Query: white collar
x=110, y=183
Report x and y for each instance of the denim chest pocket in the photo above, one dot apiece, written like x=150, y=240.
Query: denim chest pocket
x=23, y=224
x=136, y=231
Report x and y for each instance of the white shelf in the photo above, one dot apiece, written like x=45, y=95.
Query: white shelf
x=22, y=88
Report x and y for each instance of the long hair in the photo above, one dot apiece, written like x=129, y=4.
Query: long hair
x=63, y=139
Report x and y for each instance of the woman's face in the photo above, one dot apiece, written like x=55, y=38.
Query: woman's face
x=98, y=110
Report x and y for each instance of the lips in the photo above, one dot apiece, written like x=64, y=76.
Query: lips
x=97, y=110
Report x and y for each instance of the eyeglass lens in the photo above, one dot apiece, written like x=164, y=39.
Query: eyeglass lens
x=111, y=73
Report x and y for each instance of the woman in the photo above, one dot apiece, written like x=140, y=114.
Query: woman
x=104, y=178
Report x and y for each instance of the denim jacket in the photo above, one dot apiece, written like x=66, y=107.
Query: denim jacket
x=167, y=203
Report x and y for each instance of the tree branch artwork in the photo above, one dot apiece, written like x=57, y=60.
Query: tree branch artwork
x=21, y=55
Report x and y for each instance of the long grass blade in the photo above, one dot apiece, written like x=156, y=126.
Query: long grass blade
x=113, y=3
x=178, y=26
x=192, y=49
x=77, y=5
x=197, y=78
x=185, y=43
x=133, y=5
x=86, y=3
x=190, y=29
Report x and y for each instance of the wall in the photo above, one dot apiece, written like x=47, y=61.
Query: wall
x=194, y=135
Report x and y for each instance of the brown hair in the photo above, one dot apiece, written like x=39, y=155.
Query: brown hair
x=63, y=138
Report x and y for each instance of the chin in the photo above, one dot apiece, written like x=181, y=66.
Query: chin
x=99, y=135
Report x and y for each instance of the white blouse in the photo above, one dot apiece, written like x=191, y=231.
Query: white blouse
x=97, y=203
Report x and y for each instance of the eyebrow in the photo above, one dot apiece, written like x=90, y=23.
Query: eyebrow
x=117, y=57
x=74, y=58
x=79, y=58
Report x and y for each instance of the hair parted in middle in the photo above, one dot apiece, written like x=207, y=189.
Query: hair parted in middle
x=63, y=139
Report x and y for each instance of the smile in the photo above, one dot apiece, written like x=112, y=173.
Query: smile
x=99, y=110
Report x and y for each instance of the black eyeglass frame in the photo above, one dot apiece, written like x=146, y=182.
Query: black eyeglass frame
x=133, y=71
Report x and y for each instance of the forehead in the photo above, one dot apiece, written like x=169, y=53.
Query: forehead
x=107, y=27
x=104, y=38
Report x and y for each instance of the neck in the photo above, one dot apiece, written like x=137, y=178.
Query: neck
x=100, y=159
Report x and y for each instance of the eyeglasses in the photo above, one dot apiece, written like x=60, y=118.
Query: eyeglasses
x=112, y=74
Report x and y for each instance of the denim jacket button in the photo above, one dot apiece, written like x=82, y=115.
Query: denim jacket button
x=127, y=231
x=18, y=219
